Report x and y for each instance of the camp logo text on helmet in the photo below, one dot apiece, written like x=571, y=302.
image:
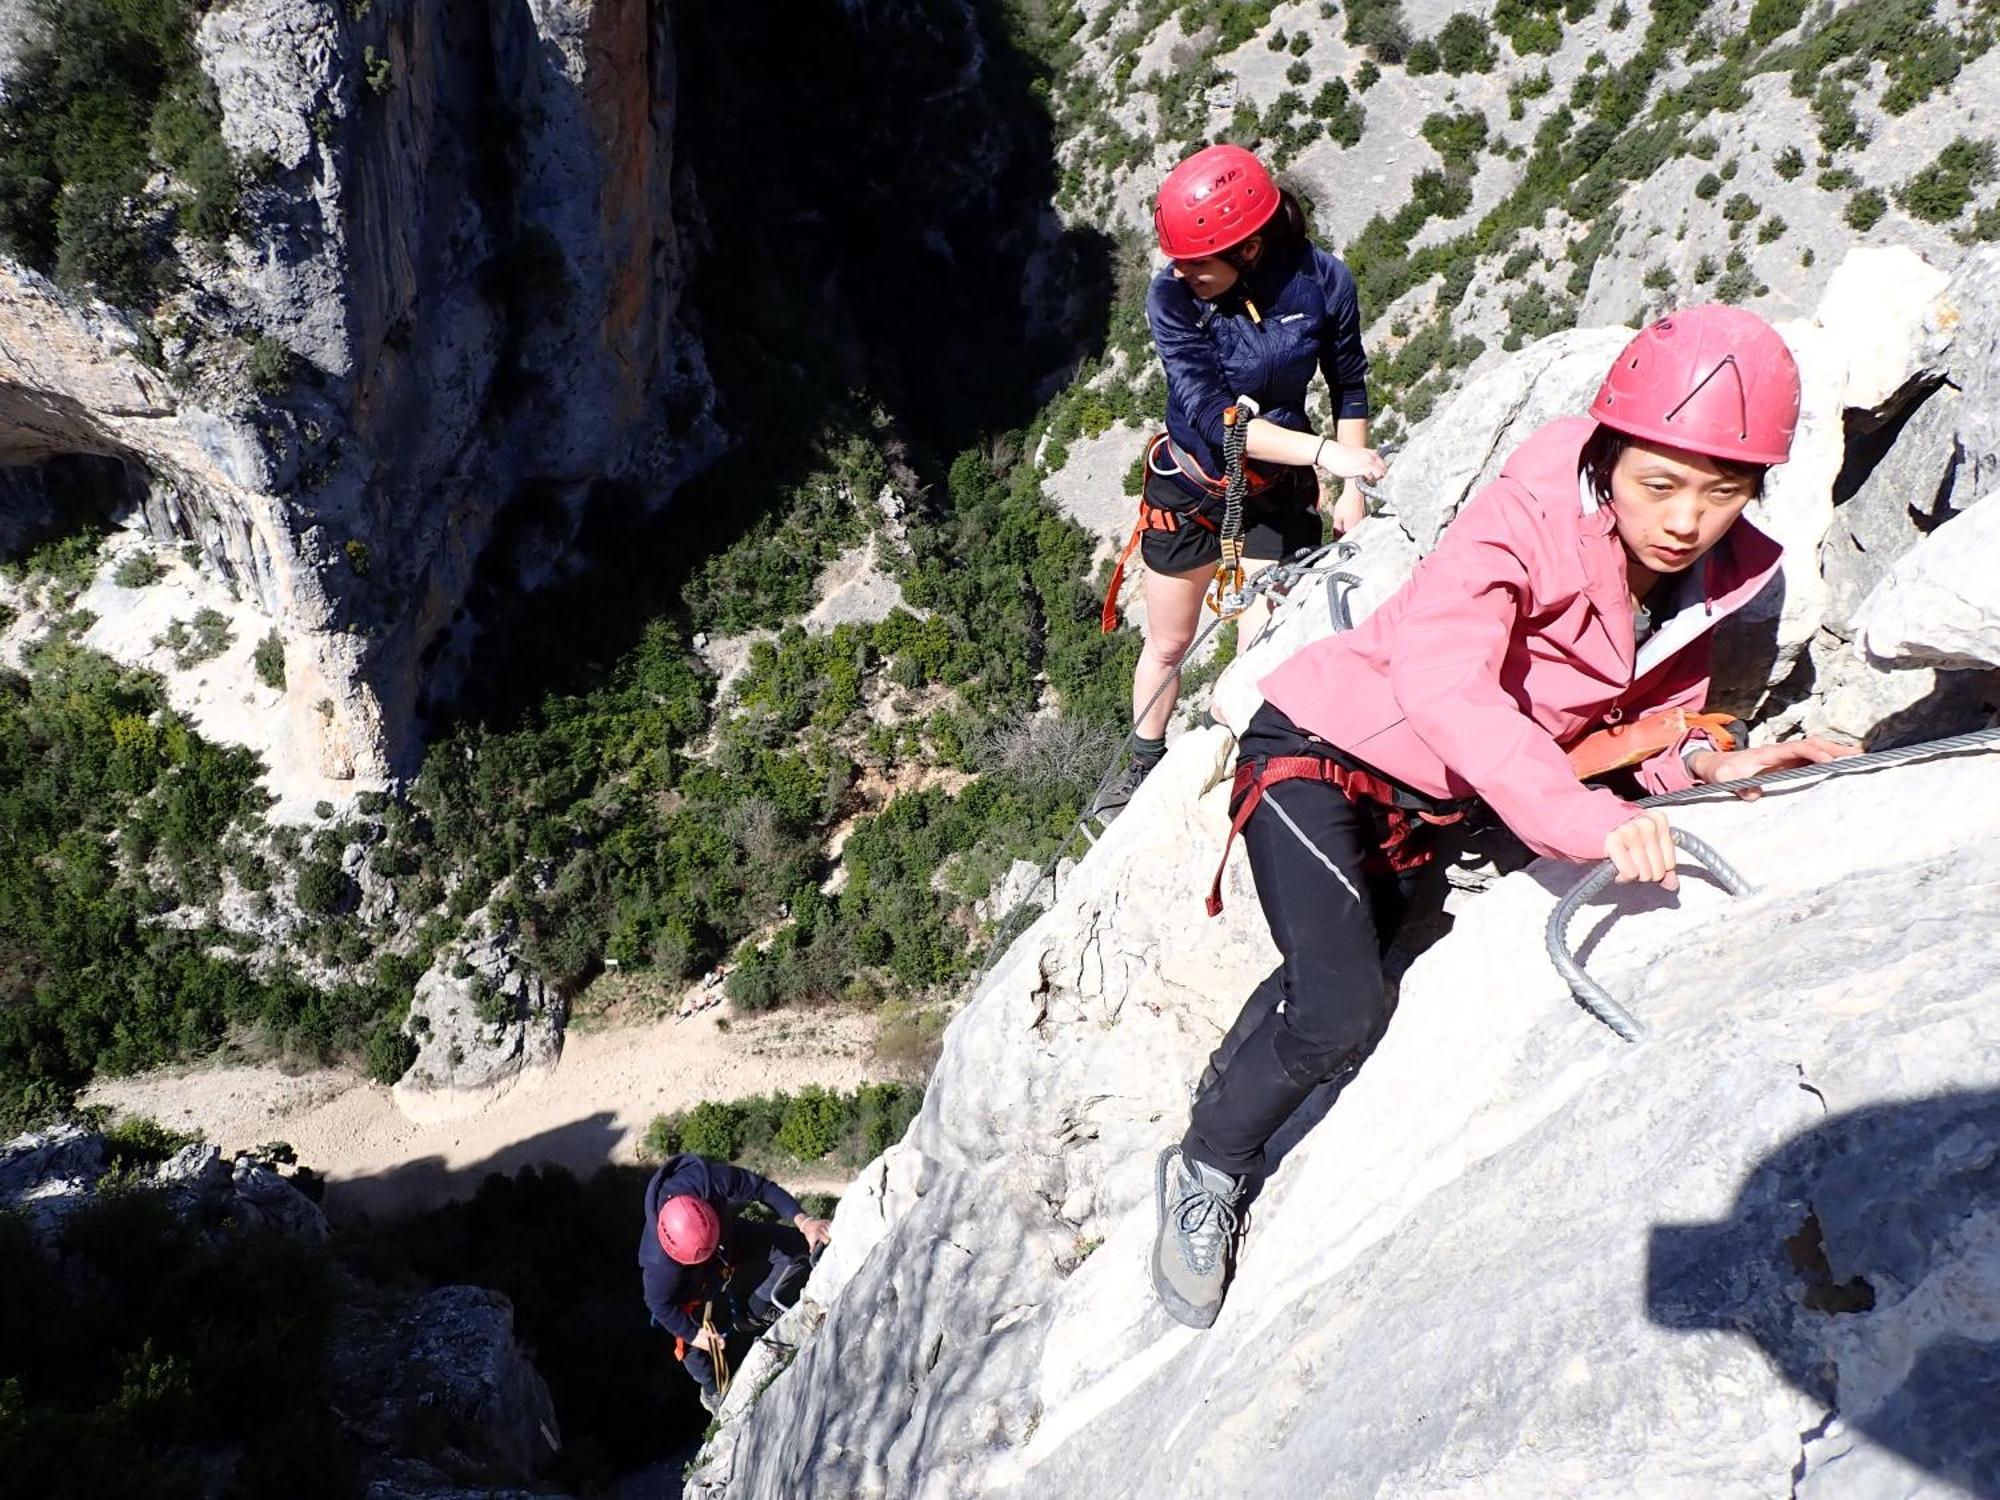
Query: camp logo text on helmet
x=1214, y=200
x=1712, y=379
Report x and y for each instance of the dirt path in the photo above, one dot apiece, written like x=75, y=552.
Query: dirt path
x=592, y=1108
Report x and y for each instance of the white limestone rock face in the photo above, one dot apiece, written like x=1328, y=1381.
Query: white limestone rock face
x=1654, y=1268
x=1472, y=434
x=1940, y=604
x=483, y=1021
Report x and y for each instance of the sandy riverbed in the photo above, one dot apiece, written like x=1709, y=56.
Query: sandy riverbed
x=592, y=1108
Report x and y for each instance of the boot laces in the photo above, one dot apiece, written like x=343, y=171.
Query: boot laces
x=1206, y=1221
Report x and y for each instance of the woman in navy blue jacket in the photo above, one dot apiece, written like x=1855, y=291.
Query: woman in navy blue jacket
x=1249, y=307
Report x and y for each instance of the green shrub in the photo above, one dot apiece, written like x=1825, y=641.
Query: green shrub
x=324, y=888
x=1789, y=163
x=1423, y=59
x=1657, y=279
x=1741, y=208
x=1620, y=17
x=1301, y=43
x=1865, y=209
x=139, y=570
x=781, y=1131
x=1340, y=112
x=147, y=1347
x=1458, y=138
x=356, y=552
x=1708, y=185
x=1366, y=76
x=207, y=638
x=1531, y=26
x=269, y=660
x=1379, y=25
x=1299, y=72
x=1771, y=229
x=270, y=366
x=1771, y=19
x=1705, y=270
x=389, y=1053
x=1464, y=45
x=1940, y=192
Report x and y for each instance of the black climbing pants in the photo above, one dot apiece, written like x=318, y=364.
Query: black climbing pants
x=1322, y=1010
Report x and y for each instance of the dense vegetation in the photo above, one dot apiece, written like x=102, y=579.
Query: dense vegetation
x=116, y=813
x=776, y=1133
x=128, y=1367
x=104, y=94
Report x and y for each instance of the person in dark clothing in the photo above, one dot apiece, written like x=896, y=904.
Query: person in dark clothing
x=1249, y=307
x=696, y=1255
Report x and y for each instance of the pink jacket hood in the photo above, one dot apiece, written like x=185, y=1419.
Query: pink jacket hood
x=1511, y=641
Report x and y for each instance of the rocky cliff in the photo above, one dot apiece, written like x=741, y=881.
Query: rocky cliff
x=452, y=302
x=1754, y=1255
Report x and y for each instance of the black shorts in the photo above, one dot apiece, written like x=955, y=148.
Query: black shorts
x=1280, y=521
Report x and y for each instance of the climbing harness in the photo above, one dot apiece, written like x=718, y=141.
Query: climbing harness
x=1404, y=848
x=1167, y=459
x=1227, y=597
x=1588, y=992
x=1592, y=996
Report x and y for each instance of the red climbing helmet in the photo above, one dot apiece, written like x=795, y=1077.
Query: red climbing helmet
x=1217, y=198
x=690, y=1229
x=1712, y=379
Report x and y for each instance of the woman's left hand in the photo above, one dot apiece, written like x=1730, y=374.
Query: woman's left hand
x=1346, y=511
x=1740, y=765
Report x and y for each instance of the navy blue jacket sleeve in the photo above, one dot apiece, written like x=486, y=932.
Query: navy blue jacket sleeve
x=663, y=1284
x=1341, y=358
x=1194, y=377
x=740, y=1185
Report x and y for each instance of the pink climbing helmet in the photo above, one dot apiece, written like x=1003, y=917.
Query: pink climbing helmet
x=690, y=1230
x=1711, y=379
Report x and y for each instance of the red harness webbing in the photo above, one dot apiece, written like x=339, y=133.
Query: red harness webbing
x=1396, y=853
x=1151, y=518
x=1155, y=518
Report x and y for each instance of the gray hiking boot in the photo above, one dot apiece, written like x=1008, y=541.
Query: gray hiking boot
x=1195, y=1248
x=1111, y=801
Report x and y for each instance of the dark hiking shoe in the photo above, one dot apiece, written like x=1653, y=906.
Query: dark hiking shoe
x=711, y=1400
x=1194, y=1249
x=1111, y=801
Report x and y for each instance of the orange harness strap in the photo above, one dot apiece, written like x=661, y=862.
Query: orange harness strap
x=1404, y=849
x=1621, y=745
x=1151, y=518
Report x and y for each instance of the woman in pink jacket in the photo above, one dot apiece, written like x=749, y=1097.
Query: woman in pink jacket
x=1578, y=590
